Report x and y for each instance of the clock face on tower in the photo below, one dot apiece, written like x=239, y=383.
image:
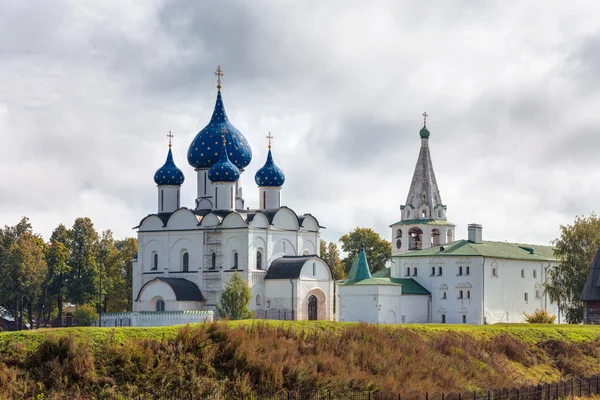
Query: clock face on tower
x=398, y=243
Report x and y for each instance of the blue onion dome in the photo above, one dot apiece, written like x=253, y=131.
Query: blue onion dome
x=169, y=174
x=270, y=174
x=223, y=170
x=204, y=149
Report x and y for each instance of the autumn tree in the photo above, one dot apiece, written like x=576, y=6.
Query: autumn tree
x=235, y=299
x=331, y=254
x=54, y=287
x=377, y=249
x=575, y=249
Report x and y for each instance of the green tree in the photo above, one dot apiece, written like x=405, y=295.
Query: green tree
x=331, y=254
x=128, y=250
x=235, y=299
x=575, y=249
x=85, y=315
x=377, y=249
x=57, y=257
x=84, y=249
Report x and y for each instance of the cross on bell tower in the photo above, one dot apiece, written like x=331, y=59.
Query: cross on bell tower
x=269, y=137
x=425, y=115
x=170, y=136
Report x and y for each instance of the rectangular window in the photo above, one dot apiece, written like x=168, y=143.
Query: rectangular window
x=415, y=271
x=522, y=273
x=178, y=199
x=535, y=273
x=231, y=201
x=494, y=272
x=205, y=183
x=407, y=271
x=314, y=269
x=444, y=295
x=440, y=271
x=468, y=270
x=526, y=297
x=459, y=271
x=468, y=294
x=235, y=260
x=537, y=294
x=278, y=199
x=460, y=294
x=432, y=271
x=216, y=198
x=443, y=318
x=162, y=200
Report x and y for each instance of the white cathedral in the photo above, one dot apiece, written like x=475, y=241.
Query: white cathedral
x=434, y=278
x=186, y=255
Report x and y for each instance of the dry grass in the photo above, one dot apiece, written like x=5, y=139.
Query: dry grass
x=251, y=357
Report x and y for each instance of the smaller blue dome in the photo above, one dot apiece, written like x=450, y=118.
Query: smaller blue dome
x=169, y=174
x=270, y=174
x=223, y=170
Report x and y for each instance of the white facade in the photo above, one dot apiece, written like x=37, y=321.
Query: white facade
x=186, y=256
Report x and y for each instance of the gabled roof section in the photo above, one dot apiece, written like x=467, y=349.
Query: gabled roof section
x=409, y=286
x=184, y=290
x=591, y=289
x=382, y=273
x=465, y=248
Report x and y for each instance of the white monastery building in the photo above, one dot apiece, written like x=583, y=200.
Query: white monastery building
x=186, y=255
x=434, y=278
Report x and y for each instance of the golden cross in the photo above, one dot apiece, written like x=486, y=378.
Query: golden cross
x=219, y=74
x=269, y=137
x=170, y=136
x=425, y=118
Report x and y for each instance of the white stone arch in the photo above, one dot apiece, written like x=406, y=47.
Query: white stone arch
x=309, y=247
x=258, y=246
x=151, y=223
x=232, y=245
x=211, y=220
x=179, y=247
x=436, y=237
x=449, y=235
x=152, y=247
x=285, y=218
x=390, y=317
x=284, y=246
x=233, y=220
x=310, y=223
x=260, y=221
x=322, y=309
x=182, y=219
x=424, y=211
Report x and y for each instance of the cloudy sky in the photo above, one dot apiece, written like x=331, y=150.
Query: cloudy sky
x=89, y=90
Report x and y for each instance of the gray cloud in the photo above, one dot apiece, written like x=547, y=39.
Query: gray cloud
x=89, y=92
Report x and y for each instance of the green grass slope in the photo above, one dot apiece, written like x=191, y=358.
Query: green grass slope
x=251, y=356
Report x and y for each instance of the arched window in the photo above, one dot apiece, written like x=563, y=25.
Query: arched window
x=235, y=260
x=213, y=261
x=443, y=318
x=440, y=271
x=444, y=295
x=154, y=261
x=460, y=294
x=258, y=300
x=185, y=262
x=522, y=273
x=407, y=271
x=399, y=233
x=424, y=213
x=468, y=294
x=435, y=237
x=464, y=319
x=468, y=270
x=415, y=271
x=459, y=270
x=162, y=200
x=258, y=260
x=415, y=236
x=432, y=271
x=160, y=305
x=535, y=273
x=449, y=236
x=526, y=297
x=314, y=268
x=439, y=213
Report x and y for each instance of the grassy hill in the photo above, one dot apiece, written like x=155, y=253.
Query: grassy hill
x=250, y=356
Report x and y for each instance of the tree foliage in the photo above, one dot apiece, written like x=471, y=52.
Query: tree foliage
x=575, y=249
x=540, y=316
x=85, y=315
x=331, y=254
x=235, y=299
x=377, y=249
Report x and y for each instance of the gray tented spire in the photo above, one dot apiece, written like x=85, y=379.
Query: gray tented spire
x=424, y=200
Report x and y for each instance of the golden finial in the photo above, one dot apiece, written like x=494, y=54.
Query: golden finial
x=219, y=74
x=269, y=137
x=425, y=115
x=170, y=136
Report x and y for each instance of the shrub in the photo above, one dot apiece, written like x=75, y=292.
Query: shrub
x=540, y=317
x=85, y=315
x=235, y=299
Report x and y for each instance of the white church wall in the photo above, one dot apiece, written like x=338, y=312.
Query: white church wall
x=285, y=219
x=310, y=224
x=233, y=220
x=168, y=198
x=414, y=309
x=159, y=290
x=179, y=247
x=259, y=221
x=279, y=294
x=359, y=303
x=457, y=274
x=505, y=293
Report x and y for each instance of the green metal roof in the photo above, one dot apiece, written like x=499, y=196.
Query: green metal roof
x=409, y=286
x=362, y=269
x=465, y=248
x=352, y=274
x=382, y=273
x=424, y=222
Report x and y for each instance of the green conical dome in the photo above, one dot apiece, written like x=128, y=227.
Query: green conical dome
x=352, y=274
x=424, y=132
